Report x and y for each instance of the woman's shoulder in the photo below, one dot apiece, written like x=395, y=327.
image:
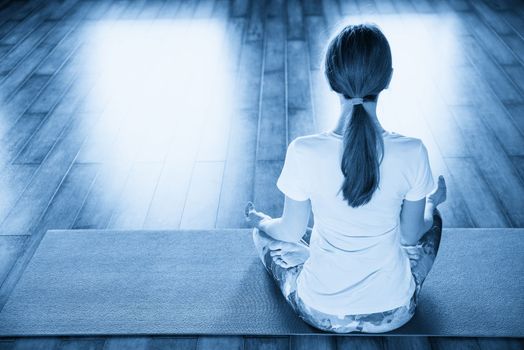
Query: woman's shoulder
x=310, y=143
x=327, y=141
x=404, y=143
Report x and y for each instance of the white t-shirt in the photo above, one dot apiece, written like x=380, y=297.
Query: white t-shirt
x=356, y=264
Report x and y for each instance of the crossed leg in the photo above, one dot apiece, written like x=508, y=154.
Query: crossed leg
x=422, y=255
x=269, y=250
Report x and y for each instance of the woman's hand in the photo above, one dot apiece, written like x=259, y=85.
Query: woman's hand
x=438, y=196
x=287, y=254
x=254, y=217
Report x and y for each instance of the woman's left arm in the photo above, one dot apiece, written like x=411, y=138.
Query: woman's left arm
x=291, y=226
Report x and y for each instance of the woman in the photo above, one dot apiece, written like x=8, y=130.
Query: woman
x=377, y=228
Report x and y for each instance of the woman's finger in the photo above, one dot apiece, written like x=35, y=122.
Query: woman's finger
x=275, y=253
x=276, y=245
x=249, y=208
x=282, y=263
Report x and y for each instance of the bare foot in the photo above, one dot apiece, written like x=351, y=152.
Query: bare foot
x=288, y=254
x=438, y=196
x=253, y=216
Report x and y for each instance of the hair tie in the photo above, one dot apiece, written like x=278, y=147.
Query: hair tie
x=356, y=101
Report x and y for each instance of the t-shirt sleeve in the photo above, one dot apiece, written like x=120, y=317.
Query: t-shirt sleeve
x=292, y=180
x=422, y=180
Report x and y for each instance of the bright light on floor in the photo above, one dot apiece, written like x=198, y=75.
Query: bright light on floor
x=161, y=80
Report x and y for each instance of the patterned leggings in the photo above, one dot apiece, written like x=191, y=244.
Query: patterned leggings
x=422, y=255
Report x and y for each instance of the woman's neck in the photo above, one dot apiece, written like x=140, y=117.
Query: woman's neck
x=346, y=109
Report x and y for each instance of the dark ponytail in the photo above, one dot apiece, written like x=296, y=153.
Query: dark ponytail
x=363, y=150
x=358, y=65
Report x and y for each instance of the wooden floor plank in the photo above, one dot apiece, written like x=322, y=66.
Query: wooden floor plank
x=43, y=139
x=367, y=6
x=255, y=29
x=326, y=107
x=483, y=205
x=517, y=74
x=493, y=163
x=11, y=247
x=68, y=199
x=490, y=41
x=311, y=342
x=386, y=7
x=317, y=38
x=209, y=8
x=19, y=11
x=489, y=108
x=348, y=8
x=99, y=146
x=220, y=342
x=272, y=132
x=23, y=28
x=13, y=181
x=11, y=59
x=441, y=343
x=368, y=343
x=515, y=20
x=58, y=12
x=500, y=343
x=406, y=343
x=516, y=44
x=101, y=9
x=36, y=344
x=14, y=140
x=7, y=344
x=266, y=343
x=81, y=344
x=238, y=182
x=332, y=15
x=240, y=8
x=492, y=17
x=237, y=190
x=490, y=71
x=59, y=84
x=267, y=197
x=103, y=197
x=25, y=66
x=132, y=207
x=298, y=84
x=518, y=163
x=276, y=8
x=168, y=201
x=312, y=7
x=131, y=343
x=295, y=20
x=46, y=180
x=516, y=113
x=250, y=69
x=158, y=343
x=23, y=98
x=203, y=196
x=61, y=52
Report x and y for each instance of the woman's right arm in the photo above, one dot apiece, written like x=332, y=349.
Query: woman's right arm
x=416, y=217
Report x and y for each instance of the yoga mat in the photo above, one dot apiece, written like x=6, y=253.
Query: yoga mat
x=193, y=282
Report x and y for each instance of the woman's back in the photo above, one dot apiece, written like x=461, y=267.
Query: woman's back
x=356, y=264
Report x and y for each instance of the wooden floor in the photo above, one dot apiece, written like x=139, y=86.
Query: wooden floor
x=173, y=114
